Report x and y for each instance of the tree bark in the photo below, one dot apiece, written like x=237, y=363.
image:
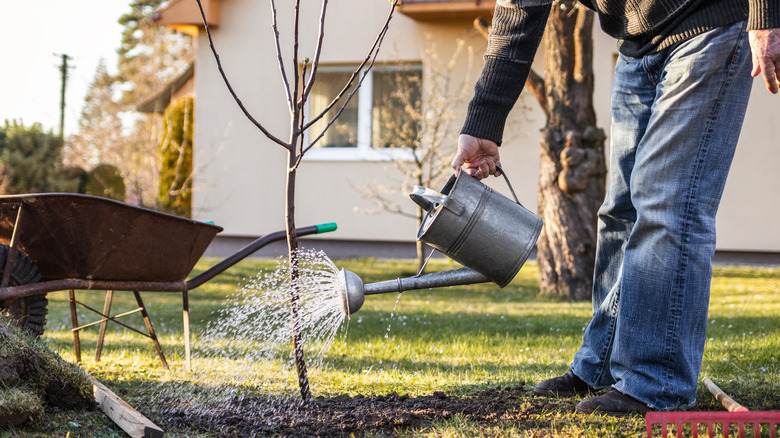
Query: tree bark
x=572, y=170
x=295, y=305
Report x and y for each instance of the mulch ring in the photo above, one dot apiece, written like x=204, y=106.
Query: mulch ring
x=345, y=416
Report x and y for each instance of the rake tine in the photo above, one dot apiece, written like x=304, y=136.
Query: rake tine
x=731, y=422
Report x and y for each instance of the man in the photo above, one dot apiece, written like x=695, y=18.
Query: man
x=679, y=96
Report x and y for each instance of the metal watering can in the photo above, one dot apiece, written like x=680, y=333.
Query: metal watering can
x=472, y=224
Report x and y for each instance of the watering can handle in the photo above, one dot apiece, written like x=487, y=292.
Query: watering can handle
x=427, y=198
x=508, y=184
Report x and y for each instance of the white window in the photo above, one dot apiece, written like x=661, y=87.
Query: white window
x=388, y=100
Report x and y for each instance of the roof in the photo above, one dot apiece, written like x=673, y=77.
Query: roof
x=185, y=16
x=161, y=99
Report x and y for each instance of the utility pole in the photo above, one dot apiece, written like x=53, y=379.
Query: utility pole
x=64, y=77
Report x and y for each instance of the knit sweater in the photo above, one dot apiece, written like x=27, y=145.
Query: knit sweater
x=640, y=26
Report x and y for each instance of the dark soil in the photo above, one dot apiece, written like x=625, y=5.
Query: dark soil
x=391, y=414
x=358, y=415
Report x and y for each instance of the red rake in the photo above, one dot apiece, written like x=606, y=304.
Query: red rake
x=737, y=415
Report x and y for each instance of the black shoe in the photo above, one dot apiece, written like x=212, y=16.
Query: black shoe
x=613, y=403
x=564, y=386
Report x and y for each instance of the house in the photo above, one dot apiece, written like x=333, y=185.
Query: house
x=182, y=85
x=240, y=174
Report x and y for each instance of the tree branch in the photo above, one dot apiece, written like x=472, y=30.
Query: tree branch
x=583, y=39
x=279, y=59
x=230, y=87
x=296, y=81
x=297, y=137
x=369, y=59
x=317, y=52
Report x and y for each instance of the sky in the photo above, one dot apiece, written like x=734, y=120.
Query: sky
x=33, y=34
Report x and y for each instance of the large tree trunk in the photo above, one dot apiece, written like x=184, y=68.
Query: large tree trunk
x=572, y=172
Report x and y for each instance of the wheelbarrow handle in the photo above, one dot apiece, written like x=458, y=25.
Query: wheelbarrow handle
x=251, y=248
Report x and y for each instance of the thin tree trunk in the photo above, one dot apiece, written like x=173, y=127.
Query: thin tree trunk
x=296, y=147
x=292, y=245
x=572, y=173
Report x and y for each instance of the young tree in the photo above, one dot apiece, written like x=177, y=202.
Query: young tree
x=303, y=72
x=100, y=138
x=150, y=55
x=418, y=117
x=111, y=131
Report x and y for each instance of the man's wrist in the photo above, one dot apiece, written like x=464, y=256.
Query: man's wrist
x=763, y=14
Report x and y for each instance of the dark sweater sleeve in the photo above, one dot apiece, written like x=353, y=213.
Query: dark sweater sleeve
x=764, y=14
x=516, y=33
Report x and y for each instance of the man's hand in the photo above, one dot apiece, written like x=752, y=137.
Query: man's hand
x=765, y=46
x=478, y=157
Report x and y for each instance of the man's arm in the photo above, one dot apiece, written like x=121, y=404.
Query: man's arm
x=515, y=35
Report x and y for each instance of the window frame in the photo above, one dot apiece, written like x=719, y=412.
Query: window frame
x=364, y=150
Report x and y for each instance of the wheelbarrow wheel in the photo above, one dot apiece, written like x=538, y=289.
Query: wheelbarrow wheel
x=26, y=312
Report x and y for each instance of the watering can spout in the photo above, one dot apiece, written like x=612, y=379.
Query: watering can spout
x=355, y=291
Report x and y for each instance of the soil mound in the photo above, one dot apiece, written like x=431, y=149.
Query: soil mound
x=34, y=378
x=358, y=415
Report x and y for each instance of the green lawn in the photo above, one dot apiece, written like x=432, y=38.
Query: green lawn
x=457, y=340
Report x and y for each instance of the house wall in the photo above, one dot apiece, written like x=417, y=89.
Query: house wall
x=240, y=174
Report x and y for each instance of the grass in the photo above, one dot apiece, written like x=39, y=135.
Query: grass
x=457, y=340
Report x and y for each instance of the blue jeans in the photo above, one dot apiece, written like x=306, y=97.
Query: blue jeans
x=676, y=117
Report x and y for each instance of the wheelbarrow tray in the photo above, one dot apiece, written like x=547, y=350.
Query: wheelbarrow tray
x=88, y=237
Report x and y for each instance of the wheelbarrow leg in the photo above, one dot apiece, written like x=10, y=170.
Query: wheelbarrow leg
x=75, y=322
x=9, y=261
x=149, y=327
x=186, y=317
x=103, y=324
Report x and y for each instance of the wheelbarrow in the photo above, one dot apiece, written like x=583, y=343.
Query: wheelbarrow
x=58, y=241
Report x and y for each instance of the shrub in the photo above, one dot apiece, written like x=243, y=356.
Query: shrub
x=30, y=159
x=175, y=193
x=106, y=181
x=74, y=180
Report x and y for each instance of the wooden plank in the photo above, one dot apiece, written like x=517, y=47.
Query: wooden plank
x=130, y=420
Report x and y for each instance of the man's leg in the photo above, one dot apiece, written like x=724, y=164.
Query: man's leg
x=633, y=94
x=650, y=325
x=632, y=98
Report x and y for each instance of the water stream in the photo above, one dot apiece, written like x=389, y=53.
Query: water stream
x=246, y=346
x=392, y=314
